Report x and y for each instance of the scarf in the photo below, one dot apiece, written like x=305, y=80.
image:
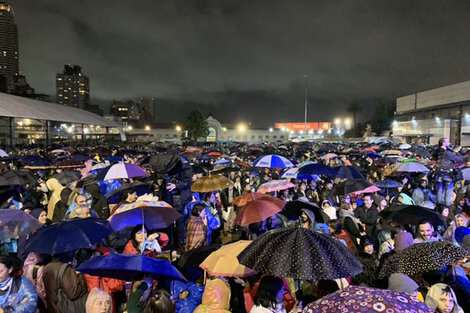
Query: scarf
x=5, y=288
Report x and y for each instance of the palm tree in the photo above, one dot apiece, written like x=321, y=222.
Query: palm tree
x=354, y=108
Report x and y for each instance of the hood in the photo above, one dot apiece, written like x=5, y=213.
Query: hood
x=403, y=240
x=402, y=283
x=310, y=215
x=433, y=296
x=216, y=295
x=53, y=184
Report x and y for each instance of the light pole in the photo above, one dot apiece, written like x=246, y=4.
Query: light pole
x=306, y=102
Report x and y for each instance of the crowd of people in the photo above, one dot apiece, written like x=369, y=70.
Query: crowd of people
x=380, y=200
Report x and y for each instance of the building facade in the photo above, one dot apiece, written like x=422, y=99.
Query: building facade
x=9, y=58
x=73, y=87
x=429, y=115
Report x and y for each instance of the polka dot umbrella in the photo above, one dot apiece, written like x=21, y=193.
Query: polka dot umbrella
x=422, y=258
x=300, y=253
x=356, y=299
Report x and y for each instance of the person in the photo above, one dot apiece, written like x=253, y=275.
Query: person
x=447, y=171
x=216, y=297
x=307, y=219
x=402, y=283
x=139, y=236
x=40, y=215
x=269, y=297
x=61, y=206
x=196, y=235
x=442, y=298
x=80, y=211
x=420, y=193
x=369, y=262
x=329, y=209
x=99, y=203
x=459, y=221
x=425, y=232
x=55, y=188
x=128, y=196
x=98, y=301
x=17, y=294
x=368, y=214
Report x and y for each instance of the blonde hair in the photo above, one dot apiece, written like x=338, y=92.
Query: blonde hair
x=94, y=295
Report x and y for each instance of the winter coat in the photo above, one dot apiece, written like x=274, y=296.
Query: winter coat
x=99, y=204
x=36, y=279
x=369, y=217
x=61, y=207
x=22, y=297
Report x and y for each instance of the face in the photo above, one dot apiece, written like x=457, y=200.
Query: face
x=445, y=303
x=101, y=305
x=369, y=249
x=140, y=235
x=445, y=212
x=460, y=221
x=27, y=211
x=85, y=212
x=304, y=217
x=80, y=200
x=4, y=272
x=329, y=186
x=367, y=201
x=446, y=142
x=302, y=186
x=132, y=197
x=426, y=231
x=42, y=217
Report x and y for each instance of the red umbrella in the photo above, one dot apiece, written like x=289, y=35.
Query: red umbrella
x=243, y=164
x=248, y=197
x=214, y=154
x=259, y=210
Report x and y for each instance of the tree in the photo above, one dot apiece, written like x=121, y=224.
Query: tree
x=196, y=125
x=354, y=108
x=383, y=117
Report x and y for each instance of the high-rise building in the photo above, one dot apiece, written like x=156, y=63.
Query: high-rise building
x=72, y=87
x=9, y=65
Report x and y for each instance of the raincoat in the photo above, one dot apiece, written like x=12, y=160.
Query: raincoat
x=56, y=188
x=186, y=302
x=216, y=298
x=433, y=296
x=21, y=297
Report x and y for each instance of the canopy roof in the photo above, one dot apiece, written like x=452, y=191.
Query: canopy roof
x=14, y=106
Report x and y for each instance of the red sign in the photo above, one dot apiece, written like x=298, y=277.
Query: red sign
x=303, y=126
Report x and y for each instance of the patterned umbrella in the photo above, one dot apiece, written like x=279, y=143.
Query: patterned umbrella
x=300, y=253
x=272, y=161
x=423, y=257
x=356, y=299
x=211, y=183
x=248, y=197
x=121, y=170
x=224, y=262
x=258, y=210
x=275, y=185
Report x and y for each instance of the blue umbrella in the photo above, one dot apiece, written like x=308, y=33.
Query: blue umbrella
x=349, y=172
x=388, y=183
x=272, y=161
x=68, y=236
x=15, y=222
x=317, y=169
x=153, y=217
x=374, y=155
x=222, y=161
x=129, y=266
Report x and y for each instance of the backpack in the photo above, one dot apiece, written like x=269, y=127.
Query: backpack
x=63, y=303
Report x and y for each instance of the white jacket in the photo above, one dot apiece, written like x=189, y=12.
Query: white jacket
x=260, y=309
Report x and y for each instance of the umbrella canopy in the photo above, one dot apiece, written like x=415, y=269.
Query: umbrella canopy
x=421, y=152
x=129, y=266
x=351, y=186
x=292, y=210
x=68, y=236
x=466, y=173
x=153, y=215
x=272, y=161
x=67, y=177
x=211, y=183
x=388, y=183
x=349, y=172
x=275, y=185
x=317, y=169
x=248, y=197
x=14, y=223
x=224, y=262
x=140, y=187
x=194, y=257
x=411, y=214
x=404, y=146
x=356, y=299
x=214, y=154
x=293, y=172
x=300, y=253
x=35, y=162
x=329, y=156
x=411, y=167
x=17, y=177
x=121, y=170
x=70, y=164
x=423, y=257
x=388, y=152
x=3, y=154
x=258, y=210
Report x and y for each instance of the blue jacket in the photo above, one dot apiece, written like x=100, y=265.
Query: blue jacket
x=22, y=298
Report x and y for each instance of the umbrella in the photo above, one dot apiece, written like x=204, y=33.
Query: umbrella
x=421, y=152
x=140, y=187
x=211, y=183
x=68, y=236
x=387, y=152
x=300, y=253
x=355, y=299
x=121, y=170
x=58, y=151
x=3, y=154
x=351, y=186
x=17, y=177
x=466, y=173
x=411, y=167
x=329, y=156
x=243, y=164
x=67, y=177
x=14, y=223
x=373, y=155
x=275, y=185
x=293, y=172
x=423, y=257
x=130, y=266
x=404, y=146
x=35, y=162
x=292, y=210
x=272, y=161
x=258, y=210
x=317, y=169
x=222, y=161
x=248, y=197
x=70, y=164
x=153, y=215
x=224, y=262
x=194, y=257
x=388, y=183
x=411, y=214
x=349, y=172
x=214, y=154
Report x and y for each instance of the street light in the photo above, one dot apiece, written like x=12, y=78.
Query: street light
x=270, y=129
x=129, y=128
x=347, y=122
x=178, y=128
x=337, y=121
x=241, y=128
x=147, y=128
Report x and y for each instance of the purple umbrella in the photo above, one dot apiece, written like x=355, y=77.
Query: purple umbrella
x=121, y=170
x=15, y=222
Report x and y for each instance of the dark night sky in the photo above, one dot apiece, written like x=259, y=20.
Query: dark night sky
x=245, y=59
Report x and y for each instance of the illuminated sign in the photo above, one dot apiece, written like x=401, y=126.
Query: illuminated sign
x=303, y=126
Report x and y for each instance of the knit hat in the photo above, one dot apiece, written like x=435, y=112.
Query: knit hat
x=36, y=212
x=401, y=283
x=403, y=240
x=461, y=232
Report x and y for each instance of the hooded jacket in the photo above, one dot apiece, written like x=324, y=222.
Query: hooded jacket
x=61, y=206
x=216, y=298
x=56, y=188
x=433, y=296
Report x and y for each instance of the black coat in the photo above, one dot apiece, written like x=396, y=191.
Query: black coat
x=368, y=217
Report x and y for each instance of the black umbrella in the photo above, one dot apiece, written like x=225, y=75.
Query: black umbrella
x=411, y=214
x=422, y=258
x=421, y=152
x=140, y=187
x=317, y=169
x=349, y=172
x=350, y=186
x=292, y=210
x=67, y=177
x=17, y=177
x=196, y=256
x=300, y=253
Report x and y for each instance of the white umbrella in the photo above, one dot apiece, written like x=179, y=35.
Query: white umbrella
x=3, y=153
